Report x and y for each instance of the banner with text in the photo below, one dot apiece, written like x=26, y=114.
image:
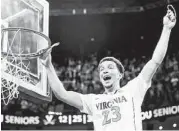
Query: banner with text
x=53, y=118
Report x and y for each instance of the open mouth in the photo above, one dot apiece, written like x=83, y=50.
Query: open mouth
x=106, y=78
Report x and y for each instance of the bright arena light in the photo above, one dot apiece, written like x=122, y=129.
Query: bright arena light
x=84, y=11
x=174, y=125
x=92, y=39
x=160, y=127
x=74, y=11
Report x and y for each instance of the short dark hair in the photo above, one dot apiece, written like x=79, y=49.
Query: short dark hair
x=116, y=61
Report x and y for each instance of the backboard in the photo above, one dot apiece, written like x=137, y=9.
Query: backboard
x=34, y=15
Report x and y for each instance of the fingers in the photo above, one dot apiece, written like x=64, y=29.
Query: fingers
x=48, y=52
x=56, y=44
x=171, y=14
x=44, y=55
x=170, y=7
x=50, y=49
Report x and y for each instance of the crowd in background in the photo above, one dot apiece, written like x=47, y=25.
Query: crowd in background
x=82, y=76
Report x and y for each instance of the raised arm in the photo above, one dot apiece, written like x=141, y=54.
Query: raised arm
x=159, y=53
x=69, y=97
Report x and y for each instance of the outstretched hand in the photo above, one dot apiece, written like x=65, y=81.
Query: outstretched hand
x=169, y=19
x=46, y=57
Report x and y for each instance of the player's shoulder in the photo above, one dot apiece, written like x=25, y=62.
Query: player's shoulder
x=130, y=83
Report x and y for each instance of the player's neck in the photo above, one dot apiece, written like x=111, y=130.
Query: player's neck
x=113, y=88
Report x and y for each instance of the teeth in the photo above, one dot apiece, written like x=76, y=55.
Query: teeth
x=105, y=77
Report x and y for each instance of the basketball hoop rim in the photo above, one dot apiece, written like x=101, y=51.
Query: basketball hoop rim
x=27, y=29
x=29, y=55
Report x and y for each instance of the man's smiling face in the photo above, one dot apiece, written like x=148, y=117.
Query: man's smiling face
x=108, y=73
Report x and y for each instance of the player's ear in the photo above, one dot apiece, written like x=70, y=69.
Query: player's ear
x=120, y=76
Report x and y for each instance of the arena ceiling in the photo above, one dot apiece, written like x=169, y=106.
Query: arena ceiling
x=68, y=7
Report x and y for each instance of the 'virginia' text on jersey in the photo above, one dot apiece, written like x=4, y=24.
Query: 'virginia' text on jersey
x=108, y=104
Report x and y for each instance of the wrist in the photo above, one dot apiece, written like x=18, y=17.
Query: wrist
x=166, y=28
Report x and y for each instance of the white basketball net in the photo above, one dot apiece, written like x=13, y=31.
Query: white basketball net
x=13, y=73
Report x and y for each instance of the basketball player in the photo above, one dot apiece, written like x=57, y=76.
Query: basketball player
x=119, y=108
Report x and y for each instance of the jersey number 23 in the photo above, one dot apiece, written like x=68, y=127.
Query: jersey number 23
x=116, y=115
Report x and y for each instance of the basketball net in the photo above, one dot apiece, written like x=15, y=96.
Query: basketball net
x=13, y=72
